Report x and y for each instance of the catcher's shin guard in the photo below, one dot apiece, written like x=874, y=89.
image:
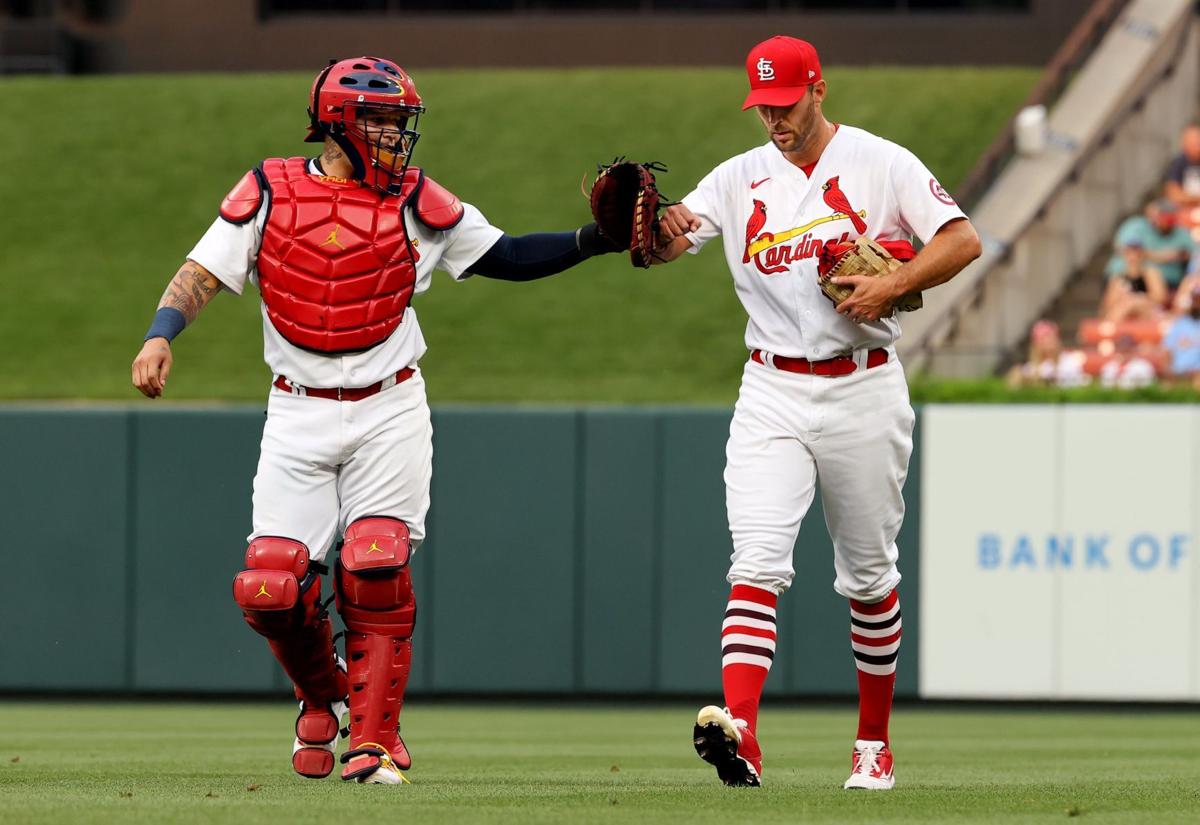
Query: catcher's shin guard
x=375, y=598
x=280, y=597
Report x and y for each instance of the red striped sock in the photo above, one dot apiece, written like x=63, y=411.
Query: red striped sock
x=747, y=649
x=875, y=639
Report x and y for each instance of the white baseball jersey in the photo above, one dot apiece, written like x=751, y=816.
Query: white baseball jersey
x=775, y=220
x=230, y=252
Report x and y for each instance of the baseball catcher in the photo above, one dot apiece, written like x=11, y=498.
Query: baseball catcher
x=338, y=246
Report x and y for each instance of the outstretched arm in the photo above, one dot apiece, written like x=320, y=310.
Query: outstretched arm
x=189, y=292
x=540, y=255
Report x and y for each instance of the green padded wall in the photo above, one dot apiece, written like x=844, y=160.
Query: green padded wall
x=568, y=551
x=193, y=473
x=65, y=503
x=503, y=552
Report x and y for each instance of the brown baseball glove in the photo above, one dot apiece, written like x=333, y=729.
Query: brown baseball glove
x=864, y=256
x=625, y=202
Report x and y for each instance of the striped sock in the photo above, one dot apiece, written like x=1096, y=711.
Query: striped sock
x=747, y=649
x=875, y=639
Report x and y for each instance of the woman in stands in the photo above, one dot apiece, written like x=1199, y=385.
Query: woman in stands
x=1138, y=291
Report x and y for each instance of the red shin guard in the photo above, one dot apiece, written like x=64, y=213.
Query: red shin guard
x=376, y=600
x=280, y=599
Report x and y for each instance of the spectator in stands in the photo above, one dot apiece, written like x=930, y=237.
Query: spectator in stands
x=1168, y=246
x=1183, y=175
x=1049, y=365
x=1127, y=369
x=1136, y=290
x=1183, y=341
x=1181, y=302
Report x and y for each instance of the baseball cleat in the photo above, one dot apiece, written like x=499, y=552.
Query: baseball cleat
x=728, y=745
x=317, y=732
x=870, y=767
x=370, y=763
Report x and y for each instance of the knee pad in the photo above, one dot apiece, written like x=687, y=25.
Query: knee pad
x=280, y=591
x=374, y=586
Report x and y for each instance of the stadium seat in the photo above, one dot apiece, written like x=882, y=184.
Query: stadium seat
x=1094, y=331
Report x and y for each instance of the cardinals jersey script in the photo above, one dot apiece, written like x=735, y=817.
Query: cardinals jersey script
x=776, y=218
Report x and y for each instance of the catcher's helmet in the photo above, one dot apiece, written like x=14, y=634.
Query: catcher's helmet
x=342, y=96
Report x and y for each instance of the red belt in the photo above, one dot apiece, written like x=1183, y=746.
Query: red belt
x=344, y=393
x=841, y=365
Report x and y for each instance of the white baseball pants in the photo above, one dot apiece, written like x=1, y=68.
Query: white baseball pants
x=854, y=434
x=326, y=463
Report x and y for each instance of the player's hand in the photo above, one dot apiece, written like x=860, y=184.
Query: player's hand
x=675, y=221
x=151, y=367
x=871, y=300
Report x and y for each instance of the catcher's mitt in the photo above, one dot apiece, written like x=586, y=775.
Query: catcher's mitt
x=625, y=203
x=864, y=256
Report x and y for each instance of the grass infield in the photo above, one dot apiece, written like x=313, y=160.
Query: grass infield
x=115, y=178
x=84, y=763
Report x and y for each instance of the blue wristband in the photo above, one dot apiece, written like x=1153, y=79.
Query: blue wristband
x=168, y=322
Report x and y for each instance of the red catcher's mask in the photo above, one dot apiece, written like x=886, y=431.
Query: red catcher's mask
x=342, y=97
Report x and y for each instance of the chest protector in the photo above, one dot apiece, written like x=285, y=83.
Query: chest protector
x=336, y=266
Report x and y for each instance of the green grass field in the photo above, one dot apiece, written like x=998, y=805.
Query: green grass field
x=84, y=763
x=112, y=180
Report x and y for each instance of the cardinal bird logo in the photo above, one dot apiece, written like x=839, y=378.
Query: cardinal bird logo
x=836, y=199
x=757, y=219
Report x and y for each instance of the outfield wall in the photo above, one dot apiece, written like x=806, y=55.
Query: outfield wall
x=583, y=552
x=1058, y=552
x=568, y=552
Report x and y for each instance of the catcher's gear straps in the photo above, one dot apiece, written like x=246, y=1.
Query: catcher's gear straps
x=245, y=199
x=374, y=587
x=436, y=206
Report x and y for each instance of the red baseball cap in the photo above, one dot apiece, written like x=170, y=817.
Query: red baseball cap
x=780, y=69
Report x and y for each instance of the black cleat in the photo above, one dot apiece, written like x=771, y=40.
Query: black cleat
x=718, y=740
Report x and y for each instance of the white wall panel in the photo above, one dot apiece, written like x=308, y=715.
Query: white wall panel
x=1058, y=552
x=1125, y=627
x=986, y=480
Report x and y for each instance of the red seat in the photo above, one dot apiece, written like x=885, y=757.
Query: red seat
x=1093, y=331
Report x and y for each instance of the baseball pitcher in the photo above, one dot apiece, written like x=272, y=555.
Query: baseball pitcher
x=816, y=226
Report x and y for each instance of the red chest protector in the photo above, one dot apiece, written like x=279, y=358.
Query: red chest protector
x=336, y=267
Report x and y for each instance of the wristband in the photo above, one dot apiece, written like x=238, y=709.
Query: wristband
x=168, y=322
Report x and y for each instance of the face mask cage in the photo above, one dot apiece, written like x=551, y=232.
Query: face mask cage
x=388, y=144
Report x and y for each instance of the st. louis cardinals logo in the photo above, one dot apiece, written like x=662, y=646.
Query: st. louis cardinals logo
x=766, y=69
x=768, y=250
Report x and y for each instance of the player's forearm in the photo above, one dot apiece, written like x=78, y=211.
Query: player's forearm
x=953, y=247
x=540, y=255
x=190, y=290
x=671, y=251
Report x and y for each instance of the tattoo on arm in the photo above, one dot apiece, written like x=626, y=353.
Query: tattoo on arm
x=192, y=287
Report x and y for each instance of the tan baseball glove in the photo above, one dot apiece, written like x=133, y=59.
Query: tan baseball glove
x=864, y=256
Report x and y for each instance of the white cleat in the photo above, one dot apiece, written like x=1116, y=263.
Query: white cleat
x=871, y=767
